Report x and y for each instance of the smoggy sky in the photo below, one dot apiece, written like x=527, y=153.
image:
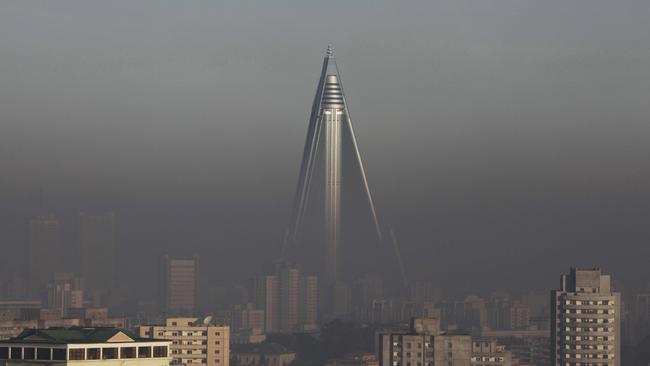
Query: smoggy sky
x=504, y=140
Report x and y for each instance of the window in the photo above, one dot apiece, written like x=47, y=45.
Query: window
x=109, y=353
x=160, y=351
x=4, y=353
x=77, y=354
x=174, y=324
x=144, y=352
x=58, y=354
x=16, y=353
x=29, y=353
x=127, y=352
x=42, y=353
x=92, y=354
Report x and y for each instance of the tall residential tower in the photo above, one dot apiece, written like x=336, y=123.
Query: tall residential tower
x=586, y=320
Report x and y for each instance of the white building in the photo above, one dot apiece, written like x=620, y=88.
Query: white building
x=82, y=347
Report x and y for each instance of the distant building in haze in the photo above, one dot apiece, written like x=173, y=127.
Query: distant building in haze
x=179, y=285
x=289, y=299
x=44, y=251
x=97, y=244
x=585, y=325
x=65, y=292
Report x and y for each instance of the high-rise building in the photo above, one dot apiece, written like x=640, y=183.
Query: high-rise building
x=44, y=251
x=289, y=299
x=309, y=303
x=97, y=245
x=194, y=341
x=333, y=196
x=585, y=325
x=179, y=282
x=264, y=292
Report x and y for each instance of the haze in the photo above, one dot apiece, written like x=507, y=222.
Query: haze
x=499, y=137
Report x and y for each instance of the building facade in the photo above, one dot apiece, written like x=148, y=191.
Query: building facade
x=585, y=326
x=179, y=285
x=193, y=341
x=289, y=299
x=424, y=345
x=82, y=346
x=486, y=352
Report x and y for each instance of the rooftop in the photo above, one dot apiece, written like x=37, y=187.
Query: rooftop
x=61, y=335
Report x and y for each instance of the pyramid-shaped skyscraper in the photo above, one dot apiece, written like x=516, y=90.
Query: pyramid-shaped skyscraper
x=333, y=207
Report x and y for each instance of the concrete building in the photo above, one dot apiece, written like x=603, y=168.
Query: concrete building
x=264, y=294
x=65, y=292
x=486, y=352
x=289, y=299
x=179, y=282
x=424, y=345
x=44, y=251
x=97, y=244
x=82, y=346
x=194, y=341
x=585, y=326
x=309, y=303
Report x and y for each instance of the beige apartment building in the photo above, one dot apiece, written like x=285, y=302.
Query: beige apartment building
x=586, y=323
x=195, y=342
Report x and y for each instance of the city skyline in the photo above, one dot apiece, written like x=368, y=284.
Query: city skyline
x=481, y=142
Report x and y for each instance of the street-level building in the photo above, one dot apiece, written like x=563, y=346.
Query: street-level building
x=83, y=347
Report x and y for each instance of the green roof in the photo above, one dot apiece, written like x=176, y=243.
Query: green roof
x=60, y=335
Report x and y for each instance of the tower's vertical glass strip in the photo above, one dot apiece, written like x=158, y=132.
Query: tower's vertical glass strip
x=333, y=115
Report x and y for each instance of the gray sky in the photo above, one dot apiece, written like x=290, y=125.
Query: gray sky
x=504, y=140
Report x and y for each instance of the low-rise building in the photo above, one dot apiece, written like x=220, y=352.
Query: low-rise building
x=83, y=346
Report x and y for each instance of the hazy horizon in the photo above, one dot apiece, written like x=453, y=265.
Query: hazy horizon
x=504, y=140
